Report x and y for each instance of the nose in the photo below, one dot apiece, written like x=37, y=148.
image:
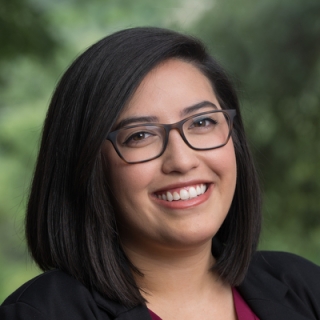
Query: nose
x=178, y=156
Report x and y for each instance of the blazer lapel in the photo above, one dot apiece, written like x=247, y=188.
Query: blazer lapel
x=269, y=298
x=117, y=311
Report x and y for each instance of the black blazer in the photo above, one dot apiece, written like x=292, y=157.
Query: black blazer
x=278, y=286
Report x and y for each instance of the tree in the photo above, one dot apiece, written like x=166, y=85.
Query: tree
x=25, y=30
x=273, y=47
x=39, y=40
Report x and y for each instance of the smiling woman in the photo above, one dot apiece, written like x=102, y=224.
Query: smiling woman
x=145, y=202
x=148, y=223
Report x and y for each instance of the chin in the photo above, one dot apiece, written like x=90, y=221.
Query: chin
x=192, y=238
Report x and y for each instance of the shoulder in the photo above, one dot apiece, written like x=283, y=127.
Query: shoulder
x=282, y=286
x=53, y=284
x=52, y=295
x=291, y=270
x=55, y=295
x=282, y=263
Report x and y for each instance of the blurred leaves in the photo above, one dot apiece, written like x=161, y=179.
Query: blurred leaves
x=272, y=50
x=273, y=47
x=25, y=30
x=39, y=39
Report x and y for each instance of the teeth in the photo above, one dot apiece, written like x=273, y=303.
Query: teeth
x=192, y=192
x=169, y=196
x=176, y=196
x=184, y=194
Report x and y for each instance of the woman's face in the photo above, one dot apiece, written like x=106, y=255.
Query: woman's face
x=146, y=222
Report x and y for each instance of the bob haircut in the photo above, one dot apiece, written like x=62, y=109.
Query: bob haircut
x=71, y=220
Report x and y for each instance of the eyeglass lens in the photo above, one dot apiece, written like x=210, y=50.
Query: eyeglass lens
x=205, y=131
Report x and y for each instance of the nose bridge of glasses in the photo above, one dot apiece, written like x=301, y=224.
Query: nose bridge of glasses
x=175, y=127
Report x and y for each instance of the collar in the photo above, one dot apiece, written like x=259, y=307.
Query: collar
x=268, y=296
x=120, y=312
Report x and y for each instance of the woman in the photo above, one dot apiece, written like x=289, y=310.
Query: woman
x=145, y=202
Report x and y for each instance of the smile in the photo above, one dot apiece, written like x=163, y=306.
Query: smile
x=184, y=193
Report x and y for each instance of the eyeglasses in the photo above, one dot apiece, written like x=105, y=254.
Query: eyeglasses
x=148, y=141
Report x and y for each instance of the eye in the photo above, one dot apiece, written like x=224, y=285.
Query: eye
x=139, y=139
x=138, y=136
x=203, y=122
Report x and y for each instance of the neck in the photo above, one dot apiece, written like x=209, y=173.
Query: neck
x=179, y=284
x=174, y=272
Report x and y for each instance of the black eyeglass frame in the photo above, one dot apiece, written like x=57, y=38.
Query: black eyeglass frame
x=228, y=113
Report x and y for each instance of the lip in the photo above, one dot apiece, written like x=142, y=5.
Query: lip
x=184, y=204
x=181, y=185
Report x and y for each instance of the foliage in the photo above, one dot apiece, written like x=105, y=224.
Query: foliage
x=24, y=30
x=273, y=47
x=39, y=39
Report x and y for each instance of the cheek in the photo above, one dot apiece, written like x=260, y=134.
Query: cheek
x=230, y=162
x=224, y=160
x=226, y=168
x=129, y=185
x=231, y=167
x=131, y=179
x=128, y=182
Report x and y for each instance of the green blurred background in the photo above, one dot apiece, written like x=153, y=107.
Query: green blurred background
x=271, y=49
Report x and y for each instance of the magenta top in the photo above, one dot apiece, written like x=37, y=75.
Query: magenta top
x=243, y=310
x=154, y=316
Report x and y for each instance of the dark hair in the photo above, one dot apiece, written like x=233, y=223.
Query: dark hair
x=70, y=222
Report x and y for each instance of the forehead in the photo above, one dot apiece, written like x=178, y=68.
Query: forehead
x=169, y=88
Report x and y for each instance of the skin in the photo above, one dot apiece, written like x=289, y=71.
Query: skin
x=170, y=242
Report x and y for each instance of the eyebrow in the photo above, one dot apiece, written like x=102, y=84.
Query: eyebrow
x=196, y=107
x=131, y=120
x=153, y=119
